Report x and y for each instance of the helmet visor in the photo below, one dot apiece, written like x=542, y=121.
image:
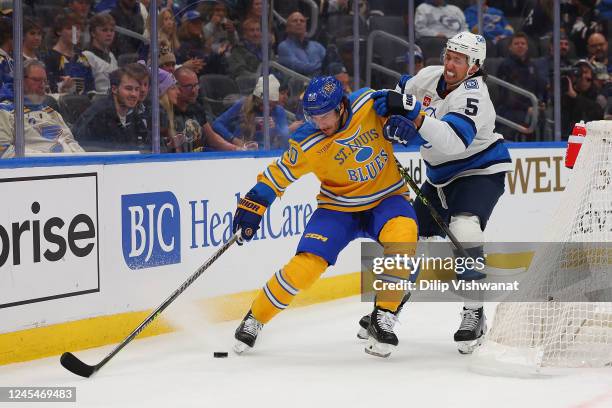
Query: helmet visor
x=324, y=120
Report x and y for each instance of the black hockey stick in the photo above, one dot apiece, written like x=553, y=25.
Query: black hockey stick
x=434, y=213
x=73, y=364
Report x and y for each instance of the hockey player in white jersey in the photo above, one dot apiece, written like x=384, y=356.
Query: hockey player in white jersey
x=447, y=110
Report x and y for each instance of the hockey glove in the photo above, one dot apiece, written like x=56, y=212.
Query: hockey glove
x=248, y=217
x=401, y=84
x=398, y=129
x=387, y=102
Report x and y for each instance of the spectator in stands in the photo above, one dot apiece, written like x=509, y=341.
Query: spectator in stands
x=44, y=128
x=220, y=30
x=338, y=7
x=544, y=64
x=539, y=18
x=167, y=29
x=580, y=20
x=494, y=24
x=168, y=94
x=601, y=83
x=167, y=33
x=32, y=39
x=107, y=124
x=167, y=60
x=297, y=52
x=169, y=42
x=253, y=10
x=68, y=69
x=578, y=99
x=82, y=10
x=142, y=111
x=519, y=70
x=339, y=71
x=195, y=47
x=246, y=56
x=190, y=120
x=435, y=18
x=597, y=46
x=6, y=50
x=243, y=122
x=99, y=55
x=127, y=15
x=291, y=105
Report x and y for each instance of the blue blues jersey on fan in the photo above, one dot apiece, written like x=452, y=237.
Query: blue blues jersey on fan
x=462, y=141
x=6, y=67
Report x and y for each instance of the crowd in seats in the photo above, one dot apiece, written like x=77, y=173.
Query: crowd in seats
x=218, y=47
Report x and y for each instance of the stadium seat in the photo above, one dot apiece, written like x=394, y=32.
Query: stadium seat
x=128, y=58
x=391, y=24
x=218, y=91
x=516, y=23
x=431, y=46
x=341, y=25
x=433, y=61
x=72, y=106
x=491, y=49
x=386, y=51
x=46, y=14
x=246, y=83
x=491, y=65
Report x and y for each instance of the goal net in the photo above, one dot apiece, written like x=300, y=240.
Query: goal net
x=564, y=316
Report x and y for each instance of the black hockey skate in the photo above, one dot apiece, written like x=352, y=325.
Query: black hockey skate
x=364, y=322
x=471, y=331
x=246, y=333
x=382, y=340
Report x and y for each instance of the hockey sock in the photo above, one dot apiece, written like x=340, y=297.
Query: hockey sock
x=299, y=274
x=398, y=236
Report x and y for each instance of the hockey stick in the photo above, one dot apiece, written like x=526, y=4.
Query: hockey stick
x=434, y=213
x=73, y=364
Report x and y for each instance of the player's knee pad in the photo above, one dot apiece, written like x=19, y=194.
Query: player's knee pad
x=303, y=270
x=466, y=228
x=398, y=230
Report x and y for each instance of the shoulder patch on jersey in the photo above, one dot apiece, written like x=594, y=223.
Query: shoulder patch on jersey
x=304, y=132
x=471, y=84
x=7, y=106
x=358, y=94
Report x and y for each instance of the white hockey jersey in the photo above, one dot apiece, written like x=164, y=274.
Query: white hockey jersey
x=458, y=129
x=44, y=129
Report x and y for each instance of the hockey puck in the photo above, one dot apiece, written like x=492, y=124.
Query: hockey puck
x=220, y=354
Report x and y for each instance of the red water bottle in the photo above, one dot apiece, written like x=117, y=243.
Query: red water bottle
x=574, y=143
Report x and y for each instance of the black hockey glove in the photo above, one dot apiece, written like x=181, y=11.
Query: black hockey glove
x=387, y=102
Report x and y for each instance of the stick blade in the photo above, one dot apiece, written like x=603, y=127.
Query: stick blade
x=76, y=366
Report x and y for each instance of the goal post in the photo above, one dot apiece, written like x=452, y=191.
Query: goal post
x=563, y=317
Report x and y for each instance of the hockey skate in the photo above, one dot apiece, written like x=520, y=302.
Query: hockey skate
x=471, y=331
x=246, y=333
x=381, y=338
x=364, y=322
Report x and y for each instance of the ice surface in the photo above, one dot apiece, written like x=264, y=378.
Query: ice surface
x=307, y=357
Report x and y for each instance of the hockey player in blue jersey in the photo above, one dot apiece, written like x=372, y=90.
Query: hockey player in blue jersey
x=447, y=110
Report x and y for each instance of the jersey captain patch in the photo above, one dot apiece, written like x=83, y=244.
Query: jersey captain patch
x=471, y=84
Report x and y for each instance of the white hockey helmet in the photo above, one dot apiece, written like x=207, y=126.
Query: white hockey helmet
x=472, y=45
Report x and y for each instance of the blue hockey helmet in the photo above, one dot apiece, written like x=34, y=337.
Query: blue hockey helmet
x=322, y=95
